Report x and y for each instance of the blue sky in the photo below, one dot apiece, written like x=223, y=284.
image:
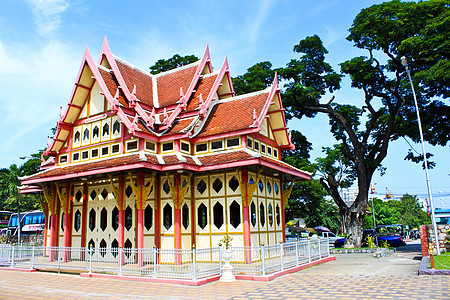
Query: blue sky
x=42, y=43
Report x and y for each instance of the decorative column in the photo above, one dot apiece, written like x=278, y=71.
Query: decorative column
x=84, y=215
x=178, y=194
x=50, y=197
x=284, y=200
x=64, y=199
x=193, y=227
x=247, y=189
x=141, y=193
x=84, y=218
x=157, y=211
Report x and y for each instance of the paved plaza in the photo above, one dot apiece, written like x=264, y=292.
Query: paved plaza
x=348, y=277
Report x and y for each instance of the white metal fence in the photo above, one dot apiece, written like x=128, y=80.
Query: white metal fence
x=165, y=263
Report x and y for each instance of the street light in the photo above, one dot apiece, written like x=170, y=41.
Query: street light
x=424, y=153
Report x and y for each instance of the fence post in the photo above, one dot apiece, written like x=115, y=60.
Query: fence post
x=194, y=263
x=328, y=247
x=59, y=259
x=309, y=250
x=155, y=263
x=220, y=259
x=281, y=256
x=90, y=259
x=120, y=260
x=296, y=252
x=86, y=256
x=32, y=257
x=12, y=256
x=263, y=260
x=318, y=242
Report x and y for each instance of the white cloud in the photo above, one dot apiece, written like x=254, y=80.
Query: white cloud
x=35, y=82
x=258, y=20
x=48, y=14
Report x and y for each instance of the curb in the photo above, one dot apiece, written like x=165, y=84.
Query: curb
x=423, y=269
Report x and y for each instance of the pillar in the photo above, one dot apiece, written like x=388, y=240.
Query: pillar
x=177, y=213
x=157, y=225
x=53, y=225
x=84, y=216
x=121, y=212
x=247, y=234
x=140, y=219
x=122, y=217
x=193, y=227
x=84, y=219
x=68, y=222
x=283, y=205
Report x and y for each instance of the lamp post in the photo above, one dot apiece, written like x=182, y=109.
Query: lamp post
x=424, y=153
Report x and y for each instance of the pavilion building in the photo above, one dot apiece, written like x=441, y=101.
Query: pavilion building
x=172, y=160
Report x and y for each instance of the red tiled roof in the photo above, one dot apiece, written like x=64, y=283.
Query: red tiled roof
x=143, y=82
x=233, y=115
x=221, y=158
x=203, y=87
x=169, y=84
x=112, y=86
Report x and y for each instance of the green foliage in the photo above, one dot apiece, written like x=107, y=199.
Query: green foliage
x=384, y=244
x=406, y=211
x=9, y=183
x=257, y=77
x=175, y=61
x=308, y=201
x=226, y=240
x=370, y=241
x=386, y=112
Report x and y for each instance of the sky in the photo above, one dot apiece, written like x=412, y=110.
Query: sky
x=42, y=43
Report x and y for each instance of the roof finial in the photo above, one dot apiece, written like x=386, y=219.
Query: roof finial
x=133, y=97
x=181, y=92
x=134, y=125
x=115, y=105
x=202, y=106
x=255, y=119
x=60, y=113
x=166, y=116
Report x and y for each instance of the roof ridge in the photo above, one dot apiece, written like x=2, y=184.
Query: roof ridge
x=261, y=92
x=133, y=66
x=103, y=68
x=211, y=74
x=178, y=69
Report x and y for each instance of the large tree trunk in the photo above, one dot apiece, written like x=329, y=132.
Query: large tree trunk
x=354, y=217
x=354, y=224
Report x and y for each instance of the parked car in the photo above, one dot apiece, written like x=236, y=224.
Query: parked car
x=291, y=238
x=325, y=234
x=392, y=234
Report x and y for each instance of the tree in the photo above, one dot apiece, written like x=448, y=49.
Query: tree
x=406, y=211
x=9, y=183
x=387, y=32
x=257, y=77
x=175, y=61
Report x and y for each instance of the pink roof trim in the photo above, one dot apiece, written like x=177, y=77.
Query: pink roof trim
x=182, y=104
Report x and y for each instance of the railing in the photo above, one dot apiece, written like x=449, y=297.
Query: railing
x=165, y=263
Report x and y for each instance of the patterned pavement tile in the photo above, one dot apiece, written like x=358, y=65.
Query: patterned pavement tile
x=42, y=285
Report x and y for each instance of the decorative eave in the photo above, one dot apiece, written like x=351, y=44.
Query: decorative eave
x=169, y=162
x=89, y=62
x=130, y=96
x=184, y=97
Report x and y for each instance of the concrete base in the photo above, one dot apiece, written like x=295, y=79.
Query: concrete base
x=423, y=270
